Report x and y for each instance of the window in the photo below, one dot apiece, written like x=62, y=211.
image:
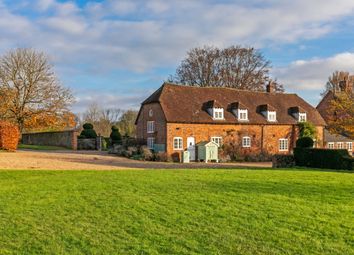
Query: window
x=349, y=146
x=242, y=114
x=218, y=113
x=177, y=143
x=151, y=113
x=246, y=142
x=330, y=145
x=150, y=142
x=150, y=126
x=340, y=145
x=302, y=117
x=271, y=116
x=283, y=144
x=217, y=140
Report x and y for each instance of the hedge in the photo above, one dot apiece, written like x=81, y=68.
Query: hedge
x=9, y=136
x=323, y=158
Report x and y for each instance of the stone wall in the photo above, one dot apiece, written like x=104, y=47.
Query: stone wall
x=67, y=139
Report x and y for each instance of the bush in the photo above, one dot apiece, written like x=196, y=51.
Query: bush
x=323, y=158
x=146, y=153
x=307, y=129
x=88, y=131
x=9, y=136
x=304, y=142
x=162, y=157
x=283, y=161
x=115, y=136
x=87, y=126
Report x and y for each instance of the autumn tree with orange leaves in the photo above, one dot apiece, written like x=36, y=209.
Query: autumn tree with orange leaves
x=30, y=93
x=342, y=121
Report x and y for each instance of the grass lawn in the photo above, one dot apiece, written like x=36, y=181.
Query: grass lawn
x=41, y=147
x=177, y=212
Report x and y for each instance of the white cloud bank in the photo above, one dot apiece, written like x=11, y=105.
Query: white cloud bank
x=145, y=34
x=141, y=35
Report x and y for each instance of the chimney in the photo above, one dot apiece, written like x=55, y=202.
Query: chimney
x=271, y=87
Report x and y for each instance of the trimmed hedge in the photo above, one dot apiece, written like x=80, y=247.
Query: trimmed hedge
x=9, y=136
x=304, y=142
x=283, y=161
x=115, y=136
x=323, y=158
x=88, y=132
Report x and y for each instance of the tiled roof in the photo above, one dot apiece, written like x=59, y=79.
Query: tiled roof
x=328, y=137
x=186, y=104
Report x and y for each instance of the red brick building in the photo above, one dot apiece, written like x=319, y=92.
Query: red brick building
x=174, y=118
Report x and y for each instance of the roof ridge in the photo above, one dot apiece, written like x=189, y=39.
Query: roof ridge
x=226, y=88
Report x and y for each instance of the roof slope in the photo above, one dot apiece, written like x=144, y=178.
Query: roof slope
x=328, y=137
x=184, y=104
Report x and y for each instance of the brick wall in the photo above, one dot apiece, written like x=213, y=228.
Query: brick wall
x=160, y=124
x=263, y=138
x=67, y=139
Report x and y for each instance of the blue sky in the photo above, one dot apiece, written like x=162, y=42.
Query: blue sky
x=116, y=52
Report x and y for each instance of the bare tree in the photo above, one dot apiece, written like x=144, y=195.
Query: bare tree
x=126, y=123
x=340, y=81
x=102, y=119
x=30, y=87
x=233, y=67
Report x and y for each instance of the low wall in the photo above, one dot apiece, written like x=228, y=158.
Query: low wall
x=67, y=139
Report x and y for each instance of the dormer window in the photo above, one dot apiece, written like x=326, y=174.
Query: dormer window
x=239, y=110
x=298, y=113
x=271, y=116
x=242, y=114
x=218, y=113
x=302, y=116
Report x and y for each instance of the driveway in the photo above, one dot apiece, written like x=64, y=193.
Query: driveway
x=88, y=160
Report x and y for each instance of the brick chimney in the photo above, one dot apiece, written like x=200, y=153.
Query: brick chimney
x=271, y=87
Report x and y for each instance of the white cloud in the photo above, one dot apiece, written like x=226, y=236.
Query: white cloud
x=158, y=33
x=308, y=77
x=313, y=74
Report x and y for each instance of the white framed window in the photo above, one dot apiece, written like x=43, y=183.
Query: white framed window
x=218, y=113
x=246, y=142
x=242, y=114
x=151, y=127
x=151, y=113
x=150, y=142
x=330, y=145
x=349, y=146
x=283, y=144
x=177, y=143
x=340, y=145
x=217, y=140
x=272, y=116
x=302, y=116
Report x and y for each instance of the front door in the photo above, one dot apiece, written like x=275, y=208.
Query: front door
x=191, y=148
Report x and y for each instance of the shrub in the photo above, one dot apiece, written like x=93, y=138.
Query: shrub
x=304, y=142
x=162, y=157
x=115, y=136
x=323, y=158
x=146, y=153
x=307, y=129
x=88, y=131
x=9, y=136
x=87, y=126
x=283, y=161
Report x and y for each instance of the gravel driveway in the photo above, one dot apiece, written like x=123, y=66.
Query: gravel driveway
x=84, y=160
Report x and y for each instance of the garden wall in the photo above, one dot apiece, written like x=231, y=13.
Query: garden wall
x=67, y=139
